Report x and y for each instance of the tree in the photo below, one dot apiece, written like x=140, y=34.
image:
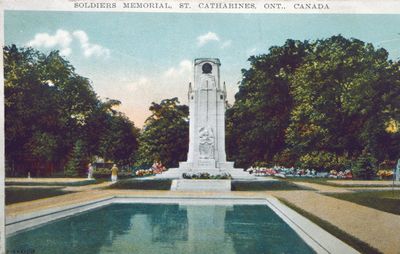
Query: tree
x=257, y=121
x=316, y=104
x=119, y=142
x=77, y=161
x=52, y=114
x=340, y=95
x=32, y=110
x=165, y=135
x=365, y=166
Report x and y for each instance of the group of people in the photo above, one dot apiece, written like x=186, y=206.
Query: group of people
x=156, y=168
x=114, y=172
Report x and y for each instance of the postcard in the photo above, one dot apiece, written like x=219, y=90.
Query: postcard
x=200, y=126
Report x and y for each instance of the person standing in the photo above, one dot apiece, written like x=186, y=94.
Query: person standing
x=90, y=171
x=114, y=173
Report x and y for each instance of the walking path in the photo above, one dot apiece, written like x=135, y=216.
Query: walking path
x=377, y=228
x=321, y=187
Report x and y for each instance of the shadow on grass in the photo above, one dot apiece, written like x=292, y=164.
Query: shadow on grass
x=354, y=242
x=331, y=182
x=17, y=195
x=80, y=183
x=265, y=185
x=387, y=201
x=138, y=184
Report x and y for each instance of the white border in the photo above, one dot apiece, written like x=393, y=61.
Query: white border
x=335, y=7
x=317, y=238
x=199, y=6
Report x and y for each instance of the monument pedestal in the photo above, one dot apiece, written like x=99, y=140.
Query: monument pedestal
x=177, y=173
x=201, y=185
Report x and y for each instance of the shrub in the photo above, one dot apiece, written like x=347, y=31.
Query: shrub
x=365, y=165
x=76, y=162
x=324, y=161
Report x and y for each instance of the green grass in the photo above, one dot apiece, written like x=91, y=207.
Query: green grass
x=81, y=183
x=387, y=201
x=17, y=195
x=138, y=184
x=324, y=181
x=337, y=232
x=265, y=185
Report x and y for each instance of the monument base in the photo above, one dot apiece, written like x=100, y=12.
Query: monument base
x=224, y=168
x=200, y=185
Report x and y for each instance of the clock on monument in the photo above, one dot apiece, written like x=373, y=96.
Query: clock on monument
x=207, y=68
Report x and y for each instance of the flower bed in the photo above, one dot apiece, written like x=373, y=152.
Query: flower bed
x=206, y=176
x=385, y=174
x=284, y=172
x=156, y=168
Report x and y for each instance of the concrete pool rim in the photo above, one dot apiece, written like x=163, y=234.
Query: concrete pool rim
x=314, y=236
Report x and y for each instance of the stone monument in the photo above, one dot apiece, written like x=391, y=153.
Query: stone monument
x=207, y=102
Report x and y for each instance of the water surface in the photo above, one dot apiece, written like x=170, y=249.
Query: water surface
x=164, y=228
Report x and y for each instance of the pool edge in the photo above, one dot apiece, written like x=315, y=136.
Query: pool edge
x=314, y=236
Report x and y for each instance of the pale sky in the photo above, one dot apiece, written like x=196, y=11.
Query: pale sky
x=139, y=58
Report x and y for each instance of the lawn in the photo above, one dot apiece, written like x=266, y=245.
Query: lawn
x=330, y=182
x=140, y=184
x=49, y=182
x=264, y=186
x=354, y=242
x=17, y=195
x=387, y=201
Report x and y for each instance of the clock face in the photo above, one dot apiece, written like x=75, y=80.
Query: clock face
x=207, y=68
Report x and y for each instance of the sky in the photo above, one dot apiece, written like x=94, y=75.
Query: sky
x=139, y=58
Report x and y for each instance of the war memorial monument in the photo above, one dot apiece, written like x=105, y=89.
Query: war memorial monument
x=207, y=102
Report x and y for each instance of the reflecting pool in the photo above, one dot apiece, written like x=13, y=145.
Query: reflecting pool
x=164, y=228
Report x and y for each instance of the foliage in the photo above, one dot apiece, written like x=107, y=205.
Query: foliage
x=257, y=121
x=323, y=161
x=51, y=112
x=365, y=166
x=165, y=135
x=76, y=163
x=119, y=142
x=340, y=99
x=316, y=104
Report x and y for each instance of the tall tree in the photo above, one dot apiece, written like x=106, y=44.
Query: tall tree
x=257, y=121
x=119, y=142
x=341, y=100
x=52, y=114
x=165, y=135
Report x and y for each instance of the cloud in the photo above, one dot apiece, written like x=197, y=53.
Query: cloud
x=226, y=44
x=65, y=51
x=184, y=68
x=90, y=49
x=141, y=83
x=251, y=51
x=63, y=39
x=205, y=38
